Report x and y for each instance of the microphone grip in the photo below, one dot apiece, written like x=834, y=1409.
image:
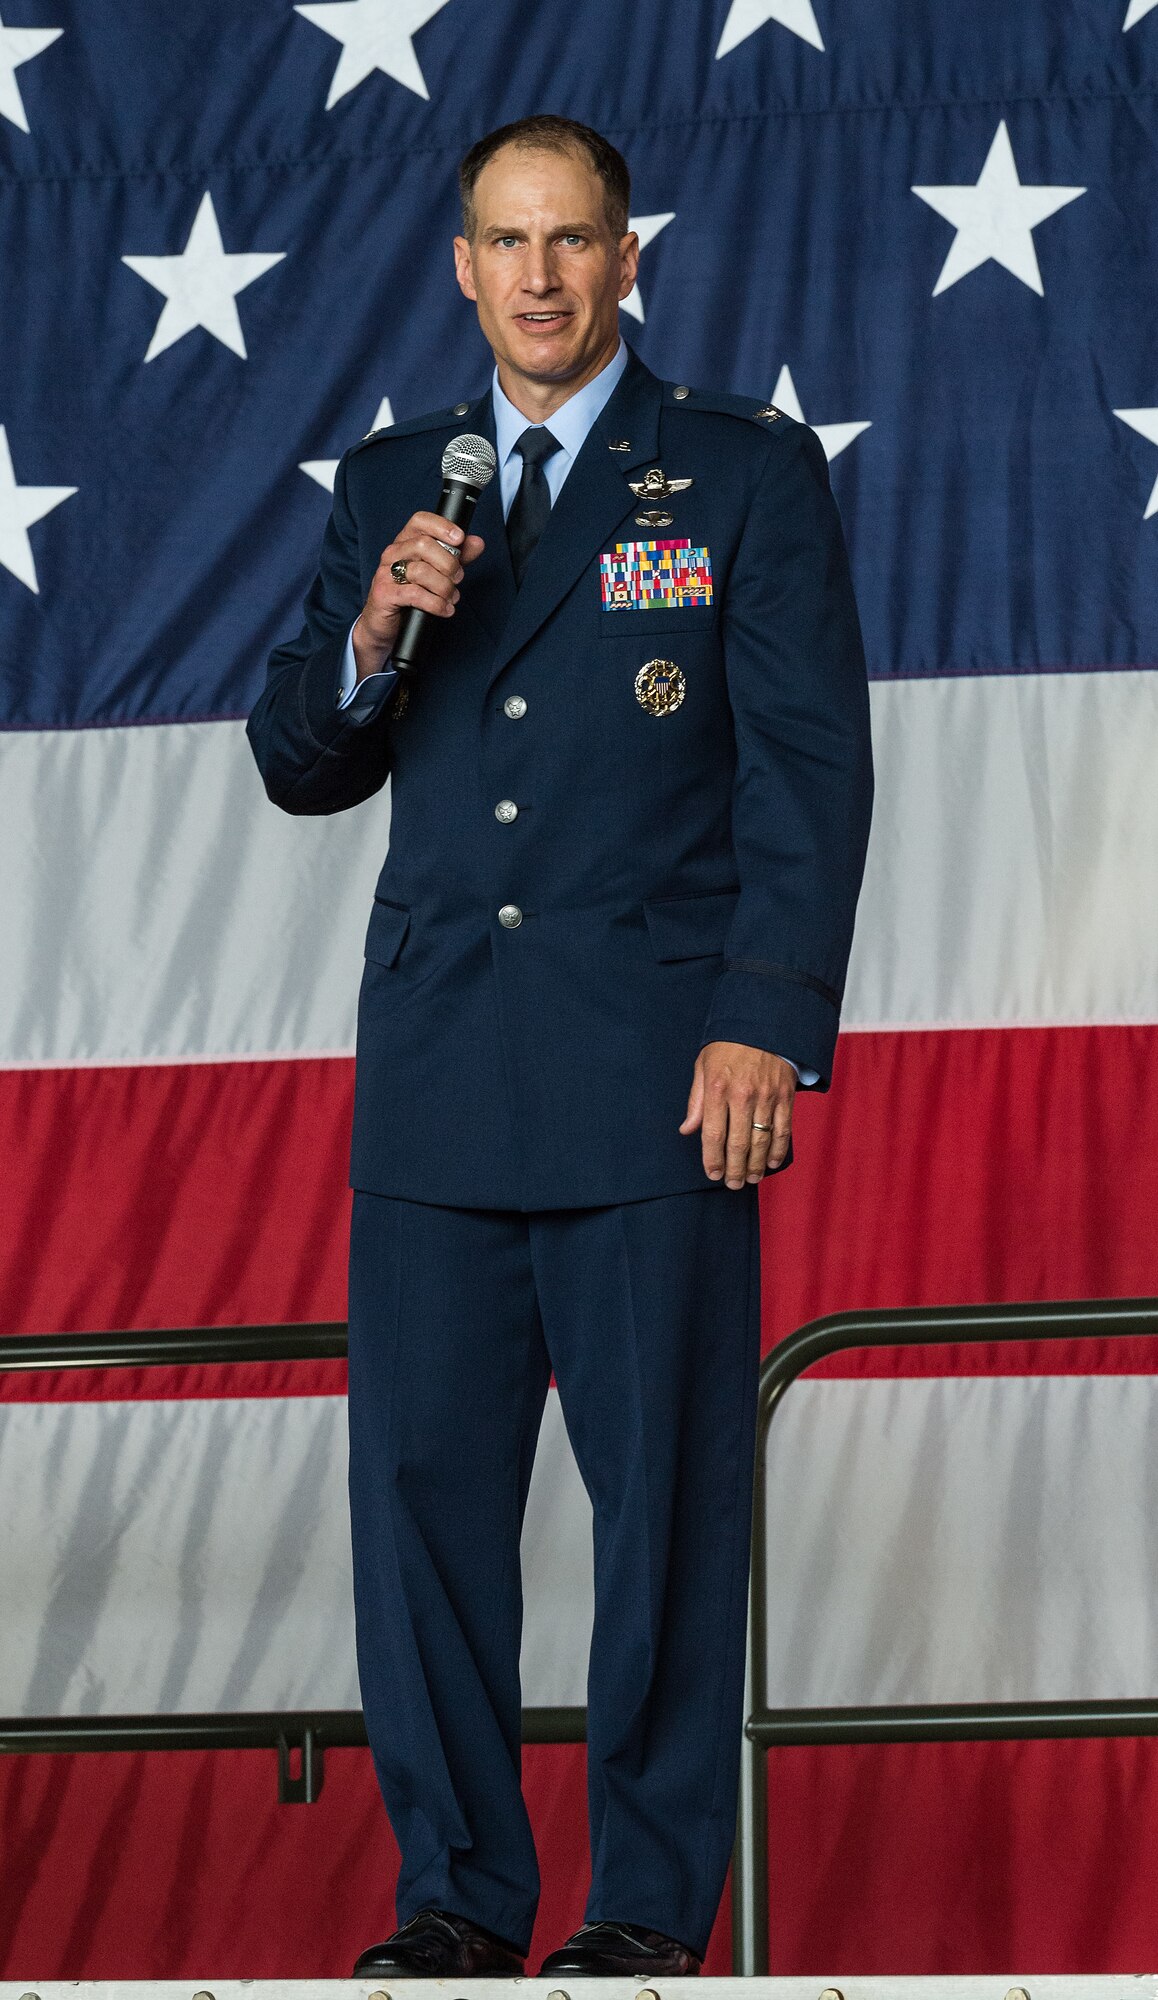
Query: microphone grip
x=456, y=504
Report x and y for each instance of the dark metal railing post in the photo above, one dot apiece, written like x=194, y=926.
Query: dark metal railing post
x=750, y=1856
x=930, y=1722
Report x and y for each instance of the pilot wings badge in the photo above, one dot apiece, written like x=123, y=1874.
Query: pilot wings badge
x=655, y=485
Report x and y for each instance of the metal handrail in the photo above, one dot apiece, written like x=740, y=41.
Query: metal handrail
x=927, y=1723
x=169, y=1347
x=301, y=1734
x=300, y=1737
x=308, y=1733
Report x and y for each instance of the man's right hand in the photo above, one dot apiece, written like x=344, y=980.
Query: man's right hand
x=433, y=574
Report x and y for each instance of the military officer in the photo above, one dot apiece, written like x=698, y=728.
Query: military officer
x=631, y=784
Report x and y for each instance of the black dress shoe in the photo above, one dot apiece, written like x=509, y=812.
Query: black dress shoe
x=605, y=1950
x=438, y=1945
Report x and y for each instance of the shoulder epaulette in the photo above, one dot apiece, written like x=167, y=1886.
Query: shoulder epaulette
x=722, y=403
x=432, y=420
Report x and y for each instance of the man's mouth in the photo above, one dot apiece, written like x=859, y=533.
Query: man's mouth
x=543, y=318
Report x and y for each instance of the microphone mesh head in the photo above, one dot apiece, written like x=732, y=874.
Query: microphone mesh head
x=470, y=459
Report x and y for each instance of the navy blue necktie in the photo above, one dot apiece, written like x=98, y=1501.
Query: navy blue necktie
x=532, y=503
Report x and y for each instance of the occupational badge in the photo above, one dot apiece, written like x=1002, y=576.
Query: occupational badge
x=655, y=485
x=655, y=576
x=654, y=517
x=660, y=686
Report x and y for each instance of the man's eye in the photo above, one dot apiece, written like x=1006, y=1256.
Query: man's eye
x=573, y=239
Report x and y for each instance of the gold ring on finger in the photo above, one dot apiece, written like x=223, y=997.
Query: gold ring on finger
x=398, y=570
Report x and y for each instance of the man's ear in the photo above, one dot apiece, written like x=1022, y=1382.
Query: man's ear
x=463, y=268
x=628, y=262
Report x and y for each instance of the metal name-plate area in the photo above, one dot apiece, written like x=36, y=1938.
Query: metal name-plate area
x=839, y=1987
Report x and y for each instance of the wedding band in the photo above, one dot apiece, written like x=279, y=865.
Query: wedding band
x=757, y=1127
x=398, y=570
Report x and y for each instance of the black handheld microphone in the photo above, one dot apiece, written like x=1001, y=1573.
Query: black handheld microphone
x=467, y=464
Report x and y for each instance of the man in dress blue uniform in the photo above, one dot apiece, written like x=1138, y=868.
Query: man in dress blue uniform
x=631, y=784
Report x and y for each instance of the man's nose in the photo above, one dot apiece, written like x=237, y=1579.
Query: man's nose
x=539, y=273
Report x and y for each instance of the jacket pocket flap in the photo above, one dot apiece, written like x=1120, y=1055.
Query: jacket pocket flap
x=690, y=926
x=389, y=923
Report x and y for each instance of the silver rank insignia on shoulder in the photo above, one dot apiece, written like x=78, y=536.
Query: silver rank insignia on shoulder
x=770, y=412
x=654, y=517
x=655, y=485
x=660, y=686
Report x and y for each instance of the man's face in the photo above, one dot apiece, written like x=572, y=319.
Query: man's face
x=544, y=269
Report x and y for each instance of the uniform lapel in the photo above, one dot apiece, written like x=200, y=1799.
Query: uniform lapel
x=594, y=500
x=488, y=588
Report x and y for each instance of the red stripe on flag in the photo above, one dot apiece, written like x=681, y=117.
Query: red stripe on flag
x=967, y=1167
x=200, y=1194
x=930, y=1859
x=943, y=1168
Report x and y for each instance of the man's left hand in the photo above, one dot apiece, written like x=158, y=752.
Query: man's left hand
x=734, y=1090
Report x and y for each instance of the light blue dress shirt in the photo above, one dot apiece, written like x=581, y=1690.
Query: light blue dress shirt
x=570, y=424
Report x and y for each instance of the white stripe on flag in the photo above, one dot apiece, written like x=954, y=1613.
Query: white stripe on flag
x=956, y=1539
x=1013, y=866
x=158, y=909
x=194, y=1556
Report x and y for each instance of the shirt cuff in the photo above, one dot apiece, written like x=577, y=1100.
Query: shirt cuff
x=358, y=699
x=805, y=1077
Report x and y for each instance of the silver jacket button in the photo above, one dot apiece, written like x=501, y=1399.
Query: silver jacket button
x=682, y=393
x=460, y=409
x=510, y=916
x=514, y=706
x=506, y=811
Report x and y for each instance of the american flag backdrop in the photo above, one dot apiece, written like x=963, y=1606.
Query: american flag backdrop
x=931, y=230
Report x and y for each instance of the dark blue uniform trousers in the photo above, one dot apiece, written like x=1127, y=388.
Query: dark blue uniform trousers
x=648, y=1312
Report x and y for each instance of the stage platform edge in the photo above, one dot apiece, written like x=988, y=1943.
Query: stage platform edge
x=840, y=1986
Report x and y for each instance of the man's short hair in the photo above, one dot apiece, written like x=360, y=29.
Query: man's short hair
x=547, y=133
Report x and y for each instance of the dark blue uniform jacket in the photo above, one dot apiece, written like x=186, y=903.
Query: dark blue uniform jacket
x=683, y=876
